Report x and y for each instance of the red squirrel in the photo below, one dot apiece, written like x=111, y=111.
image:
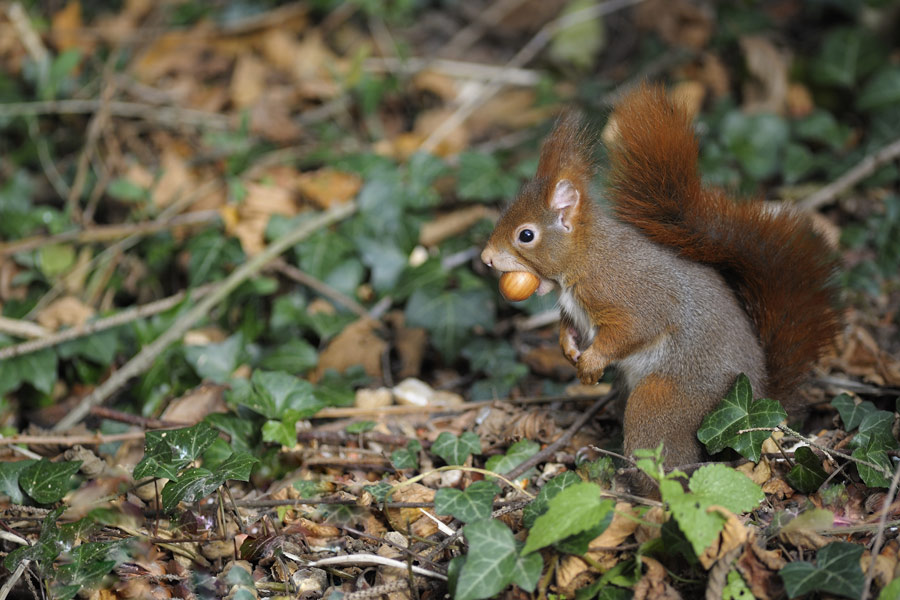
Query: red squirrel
x=678, y=285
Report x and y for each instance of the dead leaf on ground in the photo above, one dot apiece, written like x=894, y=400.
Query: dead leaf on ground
x=194, y=405
x=327, y=186
x=733, y=535
x=653, y=584
x=67, y=29
x=357, y=344
x=248, y=80
x=451, y=224
x=68, y=311
x=261, y=202
x=759, y=568
x=799, y=102
x=770, y=67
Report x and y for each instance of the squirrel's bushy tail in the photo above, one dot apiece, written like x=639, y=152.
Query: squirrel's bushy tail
x=781, y=272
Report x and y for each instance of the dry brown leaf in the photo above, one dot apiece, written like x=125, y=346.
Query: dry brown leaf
x=261, y=202
x=327, y=187
x=441, y=85
x=66, y=29
x=271, y=118
x=549, y=362
x=69, y=311
x=799, y=101
x=195, y=404
x=450, y=224
x=759, y=568
x=770, y=67
x=733, y=535
x=653, y=584
x=778, y=488
x=410, y=344
x=573, y=574
x=173, y=51
x=175, y=180
x=357, y=344
x=650, y=526
x=426, y=122
x=759, y=473
x=248, y=80
x=505, y=423
x=885, y=565
x=314, y=65
x=679, y=22
x=690, y=95
x=511, y=109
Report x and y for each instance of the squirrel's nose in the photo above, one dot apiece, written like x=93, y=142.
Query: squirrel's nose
x=487, y=255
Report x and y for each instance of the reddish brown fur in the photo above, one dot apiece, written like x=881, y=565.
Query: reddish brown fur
x=780, y=271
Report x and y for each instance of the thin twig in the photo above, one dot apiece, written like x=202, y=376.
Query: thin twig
x=142, y=361
x=879, y=537
x=167, y=115
x=522, y=57
x=126, y=316
x=868, y=165
x=563, y=439
x=320, y=287
x=8, y=586
x=369, y=559
x=828, y=451
x=20, y=328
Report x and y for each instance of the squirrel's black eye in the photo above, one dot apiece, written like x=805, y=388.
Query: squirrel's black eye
x=526, y=235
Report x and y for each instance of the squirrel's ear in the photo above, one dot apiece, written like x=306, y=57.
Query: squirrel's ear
x=565, y=201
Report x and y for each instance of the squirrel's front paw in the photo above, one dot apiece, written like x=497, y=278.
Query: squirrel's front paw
x=568, y=340
x=590, y=366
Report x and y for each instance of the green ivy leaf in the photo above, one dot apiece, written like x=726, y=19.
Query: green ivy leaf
x=875, y=431
x=237, y=466
x=517, y=454
x=846, y=55
x=294, y=356
x=211, y=255
x=527, y=570
x=99, y=347
x=216, y=362
x=836, y=571
x=450, y=316
x=575, y=509
x=807, y=474
x=455, y=450
x=756, y=141
x=481, y=177
x=37, y=368
x=9, y=479
x=167, y=452
x=491, y=562
x=360, y=427
x=476, y=502
x=190, y=486
x=539, y=505
x=46, y=481
x=407, y=458
x=738, y=412
x=274, y=393
x=882, y=90
x=873, y=477
x=852, y=413
x=50, y=543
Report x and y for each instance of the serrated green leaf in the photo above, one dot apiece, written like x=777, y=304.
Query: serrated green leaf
x=807, y=474
x=836, y=571
x=579, y=543
x=46, y=481
x=738, y=412
x=9, y=479
x=455, y=450
x=575, y=509
x=475, y=502
x=517, y=454
x=852, y=413
x=491, y=562
x=539, y=505
x=713, y=485
x=216, y=362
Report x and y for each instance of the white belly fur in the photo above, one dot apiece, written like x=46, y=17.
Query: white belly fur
x=578, y=316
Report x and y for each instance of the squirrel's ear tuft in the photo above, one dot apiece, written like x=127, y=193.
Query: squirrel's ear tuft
x=565, y=201
x=568, y=152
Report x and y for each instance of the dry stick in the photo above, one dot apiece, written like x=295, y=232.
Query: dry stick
x=523, y=56
x=23, y=329
x=879, y=537
x=863, y=169
x=168, y=115
x=321, y=288
x=103, y=233
x=563, y=439
x=148, y=354
x=121, y=318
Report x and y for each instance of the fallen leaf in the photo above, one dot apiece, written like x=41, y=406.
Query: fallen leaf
x=68, y=310
x=326, y=187
x=767, y=90
x=799, y=102
x=66, y=29
x=733, y=535
x=451, y=224
x=653, y=584
x=357, y=344
x=192, y=406
x=247, y=81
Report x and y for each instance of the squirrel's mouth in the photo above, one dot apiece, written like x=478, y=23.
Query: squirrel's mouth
x=506, y=262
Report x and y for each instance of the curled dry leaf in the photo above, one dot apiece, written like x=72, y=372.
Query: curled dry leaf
x=733, y=535
x=758, y=473
x=654, y=585
x=650, y=526
x=759, y=568
x=195, y=404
